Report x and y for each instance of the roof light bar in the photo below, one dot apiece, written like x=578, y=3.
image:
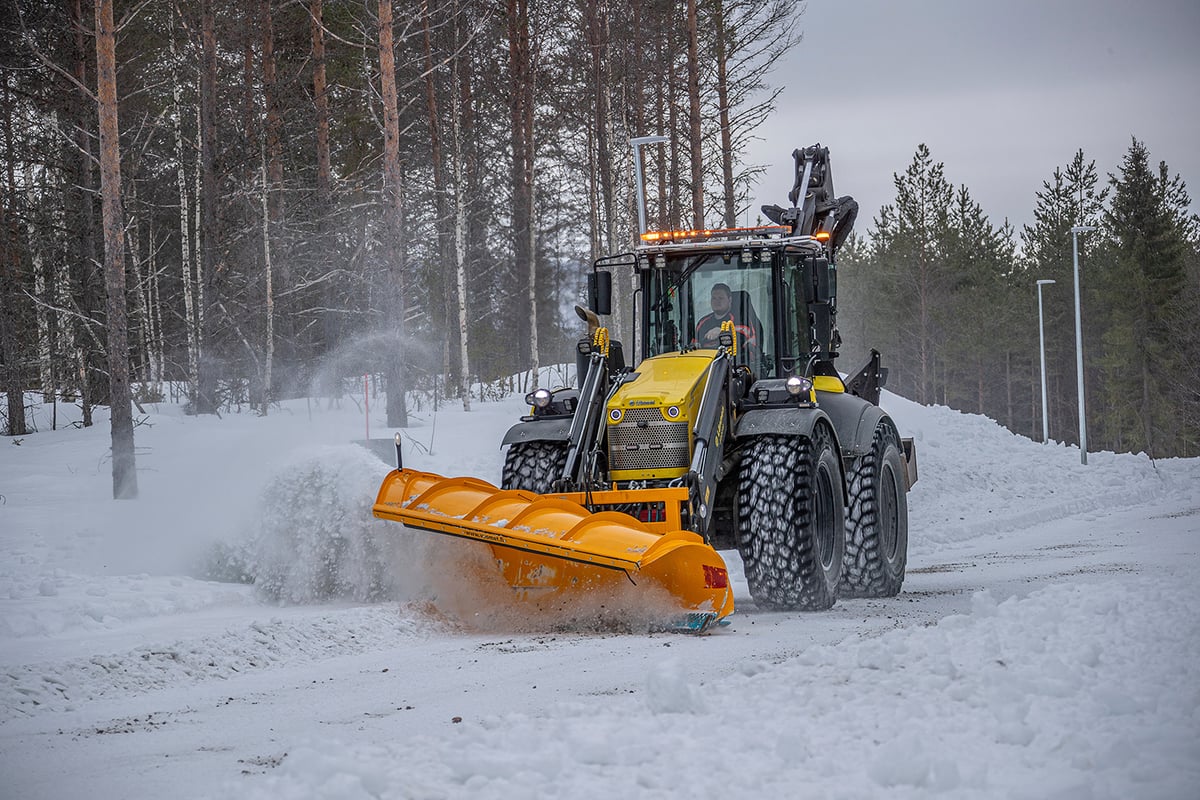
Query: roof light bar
x=709, y=233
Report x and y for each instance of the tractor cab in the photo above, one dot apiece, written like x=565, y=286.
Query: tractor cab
x=760, y=279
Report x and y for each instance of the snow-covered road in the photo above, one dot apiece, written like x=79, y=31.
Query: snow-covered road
x=1045, y=645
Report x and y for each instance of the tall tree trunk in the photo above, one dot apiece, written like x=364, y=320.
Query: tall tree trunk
x=269, y=292
x=191, y=324
x=520, y=61
x=10, y=346
x=397, y=413
x=275, y=210
x=441, y=216
x=11, y=350
x=209, y=232
x=155, y=304
x=324, y=168
x=661, y=89
x=87, y=356
x=135, y=265
x=596, y=22
x=459, y=112
x=124, y=466
x=723, y=115
x=693, y=65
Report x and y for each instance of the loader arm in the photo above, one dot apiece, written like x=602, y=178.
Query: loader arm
x=587, y=427
x=708, y=437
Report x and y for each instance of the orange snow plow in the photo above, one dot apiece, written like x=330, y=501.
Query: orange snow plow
x=552, y=547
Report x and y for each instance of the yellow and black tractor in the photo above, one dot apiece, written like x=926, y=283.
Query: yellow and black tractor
x=727, y=426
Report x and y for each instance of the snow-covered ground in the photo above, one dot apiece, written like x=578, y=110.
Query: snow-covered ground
x=1046, y=643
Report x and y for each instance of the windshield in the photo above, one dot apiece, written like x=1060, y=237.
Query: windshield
x=689, y=299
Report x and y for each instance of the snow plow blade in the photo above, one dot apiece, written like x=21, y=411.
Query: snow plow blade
x=553, y=549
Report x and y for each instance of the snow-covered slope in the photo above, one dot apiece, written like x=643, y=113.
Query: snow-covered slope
x=1045, y=645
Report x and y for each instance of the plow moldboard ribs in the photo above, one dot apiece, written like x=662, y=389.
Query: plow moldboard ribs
x=557, y=546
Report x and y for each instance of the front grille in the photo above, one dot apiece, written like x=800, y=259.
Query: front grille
x=660, y=445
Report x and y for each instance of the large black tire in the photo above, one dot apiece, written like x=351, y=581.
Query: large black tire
x=533, y=466
x=791, y=521
x=876, y=520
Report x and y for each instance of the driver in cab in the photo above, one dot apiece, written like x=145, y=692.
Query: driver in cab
x=709, y=326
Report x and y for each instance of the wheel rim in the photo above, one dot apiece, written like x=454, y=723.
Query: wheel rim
x=889, y=523
x=825, y=523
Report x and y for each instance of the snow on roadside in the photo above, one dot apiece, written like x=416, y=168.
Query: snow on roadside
x=67, y=685
x=1078, y=690
x=978, y=479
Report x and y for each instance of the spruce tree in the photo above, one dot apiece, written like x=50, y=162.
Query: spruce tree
x=1144, y=277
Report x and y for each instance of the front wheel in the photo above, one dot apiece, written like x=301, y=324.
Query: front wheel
x=791, y=520
x=534, y=466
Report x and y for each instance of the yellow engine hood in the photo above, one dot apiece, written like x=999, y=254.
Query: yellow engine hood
x=674, y=379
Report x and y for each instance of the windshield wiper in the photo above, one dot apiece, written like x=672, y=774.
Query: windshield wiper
x=686, y=273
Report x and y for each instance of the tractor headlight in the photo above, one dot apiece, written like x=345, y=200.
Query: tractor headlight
x=539, y=398
x=673, y=412
x=797, y=386
x=616, y=414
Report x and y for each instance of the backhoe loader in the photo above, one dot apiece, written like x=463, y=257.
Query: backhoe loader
x=725, y=428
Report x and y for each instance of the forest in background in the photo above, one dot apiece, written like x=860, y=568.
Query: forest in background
x=321, y=189
x=315, y=190
x=950, y=298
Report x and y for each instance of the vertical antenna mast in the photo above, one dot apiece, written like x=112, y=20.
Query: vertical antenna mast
x=637, y=143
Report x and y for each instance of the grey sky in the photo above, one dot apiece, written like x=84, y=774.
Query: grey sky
x=1001, y=92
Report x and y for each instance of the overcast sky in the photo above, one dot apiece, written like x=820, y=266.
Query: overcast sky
x=1001, y=92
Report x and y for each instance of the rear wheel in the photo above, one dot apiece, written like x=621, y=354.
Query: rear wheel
x=533, y=466
x=876, y=520
x=791, y=521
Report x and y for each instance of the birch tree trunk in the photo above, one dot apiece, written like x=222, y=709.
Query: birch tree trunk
x=185, y=236
x=460, y=94
x=124, y=466
x=208, y=232
x=134, y=261
x=269, y=344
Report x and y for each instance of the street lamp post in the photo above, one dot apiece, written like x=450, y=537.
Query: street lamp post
x=1075, y=231
x=637, y=143
x=1042, y=349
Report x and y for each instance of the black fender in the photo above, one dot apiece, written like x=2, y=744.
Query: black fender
x=782, y=421
x=855, y=420
x=548, y=430
x=788, y=422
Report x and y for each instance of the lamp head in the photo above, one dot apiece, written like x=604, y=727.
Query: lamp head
x=1083, y=228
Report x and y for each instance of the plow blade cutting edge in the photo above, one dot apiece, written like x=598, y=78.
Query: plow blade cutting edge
x=550, y=547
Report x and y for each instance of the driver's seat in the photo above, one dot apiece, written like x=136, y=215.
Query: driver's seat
x=743, y=314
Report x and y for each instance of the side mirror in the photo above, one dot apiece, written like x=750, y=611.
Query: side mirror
x=820, y=275
x=600, y=292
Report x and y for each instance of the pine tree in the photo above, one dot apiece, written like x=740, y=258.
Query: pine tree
x=913, y=282
x=1144, y=276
